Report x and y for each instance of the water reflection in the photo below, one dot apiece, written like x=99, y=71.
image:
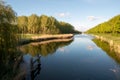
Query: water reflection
x=105, y=46
x=81, y=60
x=35, y=67
x=30, y=67
x=34, y=51
x=45, y=48
x=9, y=69
x=91, y=47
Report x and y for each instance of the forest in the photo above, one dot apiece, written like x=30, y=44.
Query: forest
x=43, y=24
x=111, y=26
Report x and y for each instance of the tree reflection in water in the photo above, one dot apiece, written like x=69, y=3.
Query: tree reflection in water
x=45, y=48
x=35, y=65
x=9, y=69
x=33, y=52
x=105, y=46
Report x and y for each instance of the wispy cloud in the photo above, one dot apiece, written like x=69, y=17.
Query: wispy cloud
x=63, y=14
x=93, y=18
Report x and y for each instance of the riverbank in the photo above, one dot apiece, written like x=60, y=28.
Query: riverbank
x=113, y=41
x=40, y=38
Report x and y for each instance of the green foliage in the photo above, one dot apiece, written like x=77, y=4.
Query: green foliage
x=8, y=42
x=66, y=28
x=48, y=25
x=6, y=13
x=111, y=26
x=23, y=22
x=8, y=38
x=43, y=25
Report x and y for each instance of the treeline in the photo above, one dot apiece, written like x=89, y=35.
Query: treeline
x=43, y=24
x=111, y=26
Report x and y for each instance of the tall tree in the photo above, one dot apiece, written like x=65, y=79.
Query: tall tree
x=7, y=32
x=33, y=23
x=22, y=24
x=8, y=42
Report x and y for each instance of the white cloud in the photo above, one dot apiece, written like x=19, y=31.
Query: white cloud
x=63, y=14
x=93, y=18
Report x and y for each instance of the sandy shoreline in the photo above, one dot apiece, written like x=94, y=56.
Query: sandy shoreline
x=45, y=38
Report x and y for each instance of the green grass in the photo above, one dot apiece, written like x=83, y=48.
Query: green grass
x=28, y=36
x=32, y=36
x=115, y=38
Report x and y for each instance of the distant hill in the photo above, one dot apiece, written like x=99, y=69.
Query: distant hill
x=111, y=26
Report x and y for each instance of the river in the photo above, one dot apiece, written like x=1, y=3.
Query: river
x=78, y=59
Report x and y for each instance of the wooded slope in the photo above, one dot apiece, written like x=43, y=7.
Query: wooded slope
x=111, y=26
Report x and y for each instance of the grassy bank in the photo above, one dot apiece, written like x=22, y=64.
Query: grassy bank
x=33, y=36
x=115, y=38
x=28, y=36
x=112, y=40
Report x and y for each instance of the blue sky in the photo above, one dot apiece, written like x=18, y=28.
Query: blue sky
x=82, y=14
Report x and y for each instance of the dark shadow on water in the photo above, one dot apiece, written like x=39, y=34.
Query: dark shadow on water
x=35, y=67
x=9, y=69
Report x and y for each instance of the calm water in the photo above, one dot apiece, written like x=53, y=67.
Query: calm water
x=77, y=59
